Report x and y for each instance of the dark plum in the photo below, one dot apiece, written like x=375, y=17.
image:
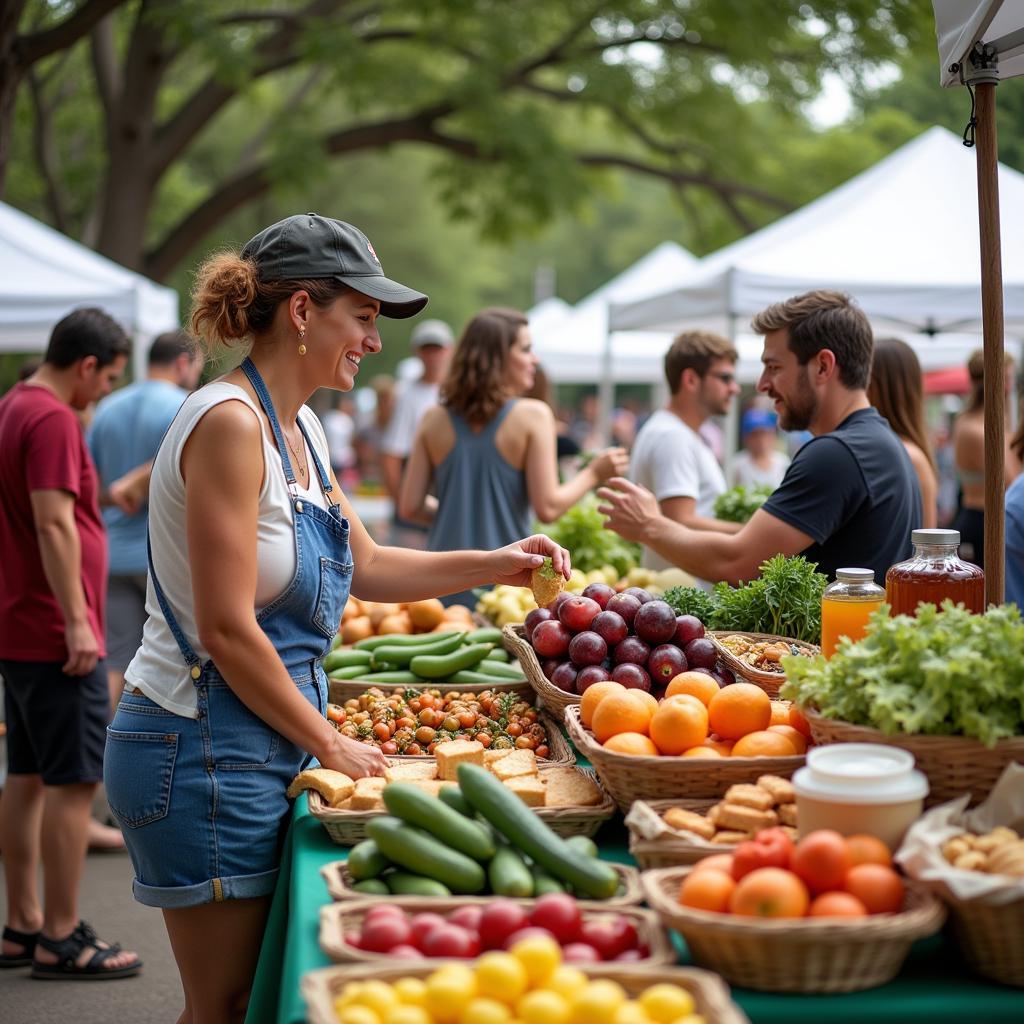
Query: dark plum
x=564, y=677
x=625, y=605
x=548, y=665
x=578, y=613
x=655, y=622
x=631, y=676
x=688, y=627
x=725, y=676
x=701, y=653
x=611, y=627
x=587, y=648
x=562, y=597
x=632, y=650
x=551, y=639
x=665, y=663
x=599, y=592
x=534, y=618
x=589, y=675
x=639, y=593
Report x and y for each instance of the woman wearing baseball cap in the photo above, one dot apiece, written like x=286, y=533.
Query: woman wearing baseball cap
x=254, y=550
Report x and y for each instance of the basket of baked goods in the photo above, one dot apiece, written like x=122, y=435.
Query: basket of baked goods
x=668, y=833
x=945, y=685
x=694, y=743
x=973, y=860
x=534, y=981
x=827, y=914
x=570, y=799
x=586, y=932
x=437, y=847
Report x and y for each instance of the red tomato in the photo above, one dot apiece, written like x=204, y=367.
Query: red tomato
x=449, y=940
x=560, y=914
x=422, y=925
x=822, y=860
x=498, y=921
x=467, y=917
x=335, y=714
x=385, y=932
x=608, y=937
x=770, y=848
x=580, y=953
x=405, y=953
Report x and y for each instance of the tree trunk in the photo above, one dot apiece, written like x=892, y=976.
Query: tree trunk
x=11, y=72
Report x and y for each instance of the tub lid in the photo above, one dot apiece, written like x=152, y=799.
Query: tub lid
x=860, y=773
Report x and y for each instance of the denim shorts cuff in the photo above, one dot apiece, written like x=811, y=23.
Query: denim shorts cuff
x=238, y=887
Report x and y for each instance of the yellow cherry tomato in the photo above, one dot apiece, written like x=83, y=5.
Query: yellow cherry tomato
x=597, y=1003
x=666, y=1003
x=566, y=981
x=540, y=956
x=485, y=1011
x=449, y=991
x=542, y=1006
x=501, y=976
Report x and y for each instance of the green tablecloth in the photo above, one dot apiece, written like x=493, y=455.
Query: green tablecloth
x=932, y=988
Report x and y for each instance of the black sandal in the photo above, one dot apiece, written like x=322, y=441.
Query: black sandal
x=26, y=939
x=68, y=951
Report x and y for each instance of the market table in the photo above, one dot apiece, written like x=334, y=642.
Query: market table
x=933, y=986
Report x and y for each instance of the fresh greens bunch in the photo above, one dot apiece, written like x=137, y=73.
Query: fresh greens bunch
x=943, y=673
x=691, y=601
x=739, y=503
x=581, y=531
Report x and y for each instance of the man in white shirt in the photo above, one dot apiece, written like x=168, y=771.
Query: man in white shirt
x=432, y=341
x=670, y=457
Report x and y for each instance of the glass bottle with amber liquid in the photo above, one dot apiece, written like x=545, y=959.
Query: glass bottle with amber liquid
x=846, y=606
x=934, y=573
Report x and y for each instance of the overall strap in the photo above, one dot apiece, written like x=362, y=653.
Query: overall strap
x=321, y=472
x=187, y=652
x=249, y=369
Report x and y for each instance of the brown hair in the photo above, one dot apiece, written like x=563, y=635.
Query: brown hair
x=474, y=387
x=896, y=390
x=976, y=371
x=695, y=350
x=230, y=303
x=823, y=319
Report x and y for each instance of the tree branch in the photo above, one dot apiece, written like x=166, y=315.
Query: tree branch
x=46, y=152
x=104, y=64
x=37, y=45
x=251, y=150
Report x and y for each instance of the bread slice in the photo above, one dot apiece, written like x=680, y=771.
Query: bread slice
x=529, y=789
x=490, y=756
x=690, y=821
x=450, y=755
x=410, y=770
x=519, y=762
x=568, y=787
x=367, y=794
x=333, y=786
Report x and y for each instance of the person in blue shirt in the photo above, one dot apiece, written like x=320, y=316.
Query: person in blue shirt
x=125, y=434
x=1014, y=536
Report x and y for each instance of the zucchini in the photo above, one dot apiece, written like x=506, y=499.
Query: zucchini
x=366, y=861
x=583, y=845
x=509, y=875
x=372, y=887
x=487, y=635
x=421, y=853
x=543, y=883
x=416, y=807
x=502, y=671
x=371, y=643
x=345, y=659
x=441, y=666
x=521, y=826
x=472, y=677
x=402, y=883
x=399, y=655
x=498, y=654
x=452, y=796
x=350, y=672
x=392, y=677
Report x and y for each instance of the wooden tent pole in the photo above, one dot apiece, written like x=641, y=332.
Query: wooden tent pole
x=992, y=325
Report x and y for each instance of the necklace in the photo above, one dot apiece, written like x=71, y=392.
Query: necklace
x=299, y=465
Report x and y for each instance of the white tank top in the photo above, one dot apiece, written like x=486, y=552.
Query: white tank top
x=158, y=668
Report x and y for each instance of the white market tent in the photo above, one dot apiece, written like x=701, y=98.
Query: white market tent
x=901, y=237
x=44, y=275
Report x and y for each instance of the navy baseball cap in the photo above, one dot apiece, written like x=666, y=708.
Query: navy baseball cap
x=309, y=246
x=758, y=419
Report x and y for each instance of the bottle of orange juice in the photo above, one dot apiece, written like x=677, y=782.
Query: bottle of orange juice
x=846, y=606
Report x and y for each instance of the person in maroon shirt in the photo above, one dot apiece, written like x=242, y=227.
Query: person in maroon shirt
x=53, y=565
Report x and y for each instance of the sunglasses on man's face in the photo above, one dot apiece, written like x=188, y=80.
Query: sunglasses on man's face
x=725, y=378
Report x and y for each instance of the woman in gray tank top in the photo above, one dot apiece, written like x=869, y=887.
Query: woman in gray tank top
x=487, y=455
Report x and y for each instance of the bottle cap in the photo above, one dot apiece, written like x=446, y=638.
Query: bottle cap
x=856, y=575
x=936, y=537
x=866, y=773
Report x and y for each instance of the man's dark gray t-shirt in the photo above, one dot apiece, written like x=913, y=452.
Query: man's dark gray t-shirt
x=854, y=491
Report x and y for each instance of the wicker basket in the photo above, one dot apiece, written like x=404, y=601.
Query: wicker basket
x=337, y=919
x=990, y=937
x=796, y=954
x=711, y=996
x=554, y=698
x=347, y=828
x=668, y=851
x=629, y=777
x=768, y=681
x=336, y=876
x=955, y=765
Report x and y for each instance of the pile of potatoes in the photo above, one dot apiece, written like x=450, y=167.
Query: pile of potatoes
x=362, y=619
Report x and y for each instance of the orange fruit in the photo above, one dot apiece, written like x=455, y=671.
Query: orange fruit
x=717, y=861
x=593, y=696
x=797, y=738
x=678, y=724
x=879, y=888
x=822, y=860
x=738, y=709
x=696, y=684
x=621, y=712
x=709, y=889
x=797, y=720
x=723, y=747
x=763, y=743
x=865, y=849
x=769, y=892
x=648, y=698
x=836, y=904
x=780, y=713
x=702, y=751
x=631, y=743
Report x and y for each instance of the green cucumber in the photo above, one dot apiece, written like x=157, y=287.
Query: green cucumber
x=543, y=883
x=336, y=642
x=421, y=853
x=583, y=845
x=452, y=796
x=394, y=677
x=351, y=672
x=345, y=659
x=416, y=807
x=366, y=861
x=470, y=677
x=487, y=635
x=525, y=830
x=399, y=655
x=441, y=666
x=372, y=887
x=509, y=875
x=402, y=883
x=502, y=671
x=371, y=643
x=498, y=654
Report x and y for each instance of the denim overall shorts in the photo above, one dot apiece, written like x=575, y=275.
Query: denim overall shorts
x=201, y=801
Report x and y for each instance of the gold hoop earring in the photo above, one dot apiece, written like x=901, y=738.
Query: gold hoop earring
x=302, y=335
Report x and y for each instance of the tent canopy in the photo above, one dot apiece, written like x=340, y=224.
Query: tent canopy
x=997, y=23
x=901, y=237
x=44, y=275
